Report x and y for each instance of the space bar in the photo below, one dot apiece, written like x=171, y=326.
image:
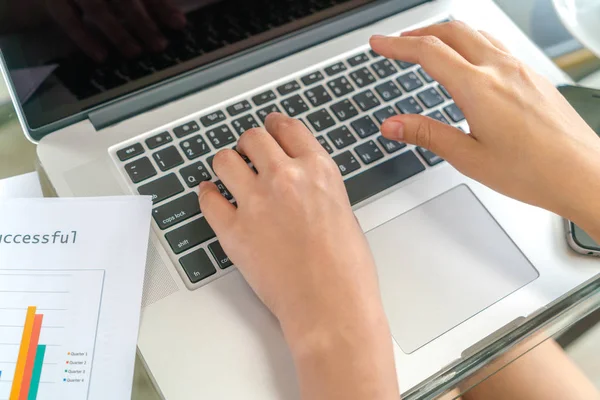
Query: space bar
x=380, y=177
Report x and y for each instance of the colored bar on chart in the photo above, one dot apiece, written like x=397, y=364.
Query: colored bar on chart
x=31, y=354
x=37, y=371
x=22, y=360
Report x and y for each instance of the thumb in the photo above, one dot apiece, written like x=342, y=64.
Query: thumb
x=444, y=140
x=216, y=209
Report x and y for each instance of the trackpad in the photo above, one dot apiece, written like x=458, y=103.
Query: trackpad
x=441, y=263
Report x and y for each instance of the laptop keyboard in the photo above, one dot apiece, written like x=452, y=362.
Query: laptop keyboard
x=343, y=103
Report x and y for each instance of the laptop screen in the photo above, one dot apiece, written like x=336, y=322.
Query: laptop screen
x=68, y=56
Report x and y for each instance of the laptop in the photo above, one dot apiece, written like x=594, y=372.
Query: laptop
x=458, y=263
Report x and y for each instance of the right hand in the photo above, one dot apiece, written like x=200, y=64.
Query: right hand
x=128, y=25
x=526, y=141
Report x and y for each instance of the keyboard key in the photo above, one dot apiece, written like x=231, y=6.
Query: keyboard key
x=445, y=91
x=439, y=116
x=369, y=152
x=263, y=112
x=340, y=86
x=194, y=174
x=288, y=88
x=430, y=157
x=357, y=59
x=382, y=176
x=220, y=136
x=341, y=137
x=238, y=108
x=189, y=235
x=320, y=120
x=388, y=90
x=384, y=114
x=162, y=188
x=366, y=100
x=391, y=146
x=335, y=69
x=167, y=158
x=325, y=145
x=130, y=152
x=409, y=106
x=159, y=140
x=209, y=161
x=224, y=191
x=425, y=75
x=176, y=211
x=410, y=81
x=365, y=127
x=317, y=96
x=244, y=123
x=454, y=112
x=404, y=64
x=186, y=129
x=194, y=147
x=312, y=78
x=197, y=266
x=362, y=77
x=373, y=54
x=219, y=254
x=344, y=110
x=294, y=105
x=140, y=170
x=384, y=68
x=213, y=118
x=346, y=163
x=263, y=98
x=430, y=97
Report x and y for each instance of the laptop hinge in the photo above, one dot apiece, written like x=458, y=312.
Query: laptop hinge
x=199, y=79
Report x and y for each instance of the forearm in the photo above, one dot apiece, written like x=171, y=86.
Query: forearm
x=351, y=360
x=545, y=372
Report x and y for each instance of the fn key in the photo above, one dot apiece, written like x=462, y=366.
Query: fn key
x=197, y=266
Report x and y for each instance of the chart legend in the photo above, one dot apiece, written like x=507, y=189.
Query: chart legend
x=48, y=325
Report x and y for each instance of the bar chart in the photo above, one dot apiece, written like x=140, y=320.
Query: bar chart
x=48, y=325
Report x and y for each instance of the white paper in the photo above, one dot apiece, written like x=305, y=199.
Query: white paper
x=85, y=276
x=22, y=186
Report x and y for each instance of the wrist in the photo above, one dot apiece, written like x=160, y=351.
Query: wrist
x=324, y=332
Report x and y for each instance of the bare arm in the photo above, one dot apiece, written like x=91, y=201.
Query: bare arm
x=544, y=372
x=296, y=241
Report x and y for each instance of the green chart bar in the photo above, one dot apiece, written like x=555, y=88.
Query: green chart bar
x=37, y=372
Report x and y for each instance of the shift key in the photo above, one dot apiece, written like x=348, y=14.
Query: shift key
x=189, y=235
x=176, y=211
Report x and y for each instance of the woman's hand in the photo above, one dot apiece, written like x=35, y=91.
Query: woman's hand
x=526, y=140
x=296, y=241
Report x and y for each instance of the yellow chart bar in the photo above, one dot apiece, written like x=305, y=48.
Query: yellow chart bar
x=22, y=360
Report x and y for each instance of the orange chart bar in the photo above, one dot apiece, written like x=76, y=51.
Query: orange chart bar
x=22, y=360
x=31, y=354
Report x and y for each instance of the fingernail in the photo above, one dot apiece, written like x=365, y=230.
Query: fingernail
x=201, y=187
x=131, y=50
x=177, y=21
x=100, y=56
x=378, y=37
x=407, y=33
x=160, y=44
x=395, y=130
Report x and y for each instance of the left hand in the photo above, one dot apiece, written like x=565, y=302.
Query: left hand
x=295, y=239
